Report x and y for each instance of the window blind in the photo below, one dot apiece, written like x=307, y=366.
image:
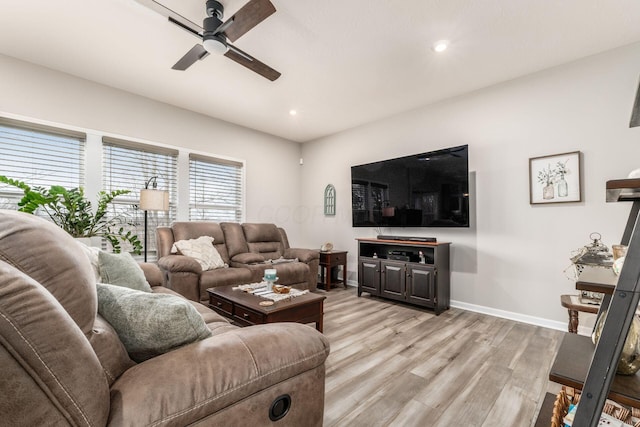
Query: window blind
x=39, y=156
x=215, y=189
x=128, y=166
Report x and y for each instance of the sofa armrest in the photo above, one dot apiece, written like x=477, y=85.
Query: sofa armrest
x=197, y=380
x=179, y=264
x=182, y=275
x=152, y=273
x=303, y=255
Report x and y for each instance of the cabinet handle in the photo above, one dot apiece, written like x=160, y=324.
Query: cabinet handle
x=245, y=315
x=219, y=304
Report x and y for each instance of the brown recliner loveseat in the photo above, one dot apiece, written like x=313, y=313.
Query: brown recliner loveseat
x=247, y=250
x=64, y=364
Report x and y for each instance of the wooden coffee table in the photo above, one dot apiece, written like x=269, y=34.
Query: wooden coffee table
x=244, y=308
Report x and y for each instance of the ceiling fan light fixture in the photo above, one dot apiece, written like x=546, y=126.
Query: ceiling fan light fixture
x=215, y=45
x=440, y=45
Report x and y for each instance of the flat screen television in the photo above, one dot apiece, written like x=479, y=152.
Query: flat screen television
x=423, y=190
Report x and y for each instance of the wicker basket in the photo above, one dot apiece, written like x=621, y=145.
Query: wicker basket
x=568, y=396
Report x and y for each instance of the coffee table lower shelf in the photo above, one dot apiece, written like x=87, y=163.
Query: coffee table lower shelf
x=244, y=308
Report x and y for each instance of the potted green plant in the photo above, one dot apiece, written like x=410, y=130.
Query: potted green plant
x=70, y=210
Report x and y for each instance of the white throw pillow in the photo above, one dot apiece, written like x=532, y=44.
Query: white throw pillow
x=202, y=250
x=92, y=254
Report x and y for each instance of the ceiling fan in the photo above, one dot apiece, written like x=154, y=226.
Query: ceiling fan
x=214, y=33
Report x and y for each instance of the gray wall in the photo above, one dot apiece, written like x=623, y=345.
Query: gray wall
x=272, y=164
x=511, y=261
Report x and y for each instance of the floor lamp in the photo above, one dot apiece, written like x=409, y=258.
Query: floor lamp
x=152, y=199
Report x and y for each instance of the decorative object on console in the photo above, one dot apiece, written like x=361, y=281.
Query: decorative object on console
x=619, y=255
x=152, y=199
x=330, y=200
x=70, y=210
x=629, y=362
x=327, y=247
x=555, y=178
x=270, y=277
x=280, y=289
x=594, y=256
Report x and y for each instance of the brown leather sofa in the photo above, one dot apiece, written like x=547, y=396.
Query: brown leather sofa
x=63, y=364
x=248, y=249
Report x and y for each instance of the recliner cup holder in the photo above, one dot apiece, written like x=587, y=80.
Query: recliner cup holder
x=280, y=407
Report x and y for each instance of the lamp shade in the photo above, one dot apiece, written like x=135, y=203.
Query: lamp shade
x=154, y=200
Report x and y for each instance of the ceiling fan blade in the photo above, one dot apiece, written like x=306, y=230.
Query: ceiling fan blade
x=250, y=15
x=196, y=53
x=251, y=63
x=173, y=17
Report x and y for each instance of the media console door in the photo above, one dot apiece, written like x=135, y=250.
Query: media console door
x=369, y=276
x=420, y=285
x=393, y=279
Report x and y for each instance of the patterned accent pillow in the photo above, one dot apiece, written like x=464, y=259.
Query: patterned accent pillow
x=202, y=250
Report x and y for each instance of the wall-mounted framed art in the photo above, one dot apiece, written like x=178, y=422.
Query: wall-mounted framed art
x=555, y=178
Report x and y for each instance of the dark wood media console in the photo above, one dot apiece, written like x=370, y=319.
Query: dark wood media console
x=392, y=269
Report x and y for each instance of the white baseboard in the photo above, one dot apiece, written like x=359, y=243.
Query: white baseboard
x=585, y=330
x=518, y=317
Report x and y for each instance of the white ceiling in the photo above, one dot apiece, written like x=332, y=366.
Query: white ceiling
x=343, y=63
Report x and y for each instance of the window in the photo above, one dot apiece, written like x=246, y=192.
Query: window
x=39, y=156
x=129, y=166
x=215, y=189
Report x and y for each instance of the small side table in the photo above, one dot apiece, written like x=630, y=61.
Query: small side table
x=573, y=305
x=329, y=260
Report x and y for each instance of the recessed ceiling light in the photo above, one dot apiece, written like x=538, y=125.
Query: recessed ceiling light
x=292, y=112
x=441, y=45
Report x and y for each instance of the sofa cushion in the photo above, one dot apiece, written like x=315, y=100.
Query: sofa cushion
x=234, y=238
x=42, y=343
x=150, y=324
x=249, y=258
x=109, y=349
x=122, y=270
x=202, y=250
x=264, y=239
x=53, y=258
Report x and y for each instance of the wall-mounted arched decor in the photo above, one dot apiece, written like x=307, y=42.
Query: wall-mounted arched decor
x=330, y=200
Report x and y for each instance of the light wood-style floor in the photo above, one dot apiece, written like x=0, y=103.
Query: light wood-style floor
x=397, y=365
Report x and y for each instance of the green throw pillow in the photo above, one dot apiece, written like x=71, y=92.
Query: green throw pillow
x=122, y=270
x=150, y=324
